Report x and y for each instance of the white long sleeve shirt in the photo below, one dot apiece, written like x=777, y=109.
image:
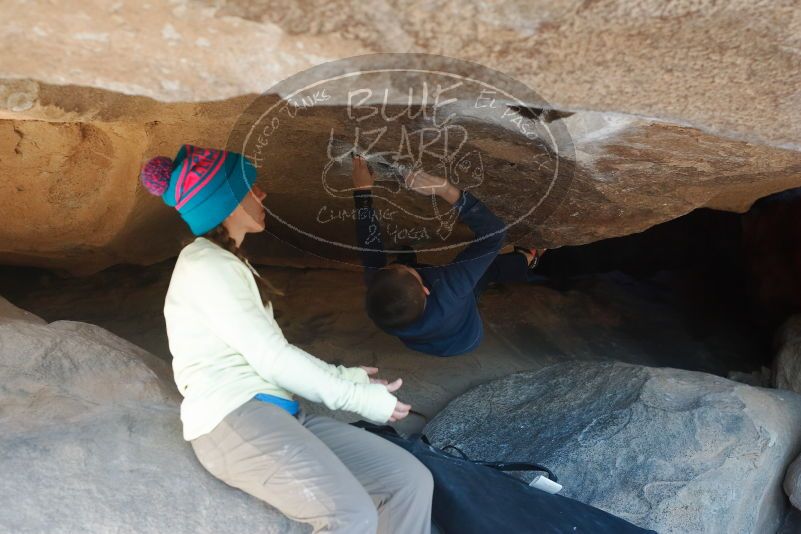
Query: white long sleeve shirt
x=227, y=347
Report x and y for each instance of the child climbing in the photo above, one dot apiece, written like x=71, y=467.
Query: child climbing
x=433, y=309
x=238, y=374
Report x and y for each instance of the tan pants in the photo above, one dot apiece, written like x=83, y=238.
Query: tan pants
x=320, y=471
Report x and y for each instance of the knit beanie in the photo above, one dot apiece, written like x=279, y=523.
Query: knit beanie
x=205, y=185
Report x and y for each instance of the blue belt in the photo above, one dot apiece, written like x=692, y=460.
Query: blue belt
x=291, y=406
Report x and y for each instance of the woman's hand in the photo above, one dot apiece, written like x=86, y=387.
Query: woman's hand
x=401, y=409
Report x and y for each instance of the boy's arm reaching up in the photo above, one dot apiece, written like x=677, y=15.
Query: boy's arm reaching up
x=368, y=230
x=462, y=275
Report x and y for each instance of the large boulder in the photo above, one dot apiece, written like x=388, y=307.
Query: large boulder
x=104, y=87
x=676, y=451
x=90, y=440
x=792, y=483
x=787, y=375
x=787, y=364
x=729, y=68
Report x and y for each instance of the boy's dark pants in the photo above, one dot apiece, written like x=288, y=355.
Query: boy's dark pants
x=511, y=268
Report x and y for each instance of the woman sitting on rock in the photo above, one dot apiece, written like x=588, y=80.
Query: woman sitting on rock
x=237, y=372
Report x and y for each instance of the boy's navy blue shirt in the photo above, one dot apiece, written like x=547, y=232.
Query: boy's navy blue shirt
x=450, y=323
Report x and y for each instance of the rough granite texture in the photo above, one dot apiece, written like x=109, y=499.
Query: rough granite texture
x=674, y=106
x=672, y=450
x=787, y=364
x=792, y=483
x=90, y=440
x=787, y=375
x=729, y=67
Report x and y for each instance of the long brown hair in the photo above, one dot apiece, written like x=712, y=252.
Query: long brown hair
x=219, y=235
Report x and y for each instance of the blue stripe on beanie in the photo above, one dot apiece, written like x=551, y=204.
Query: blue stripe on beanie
x=207, y=185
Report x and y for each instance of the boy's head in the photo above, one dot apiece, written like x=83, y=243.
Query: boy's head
x=396, y=297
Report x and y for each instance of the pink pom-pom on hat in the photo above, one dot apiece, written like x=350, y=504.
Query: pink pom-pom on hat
x=155, y=175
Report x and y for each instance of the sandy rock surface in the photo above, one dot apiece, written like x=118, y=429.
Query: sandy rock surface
x=668, y=109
